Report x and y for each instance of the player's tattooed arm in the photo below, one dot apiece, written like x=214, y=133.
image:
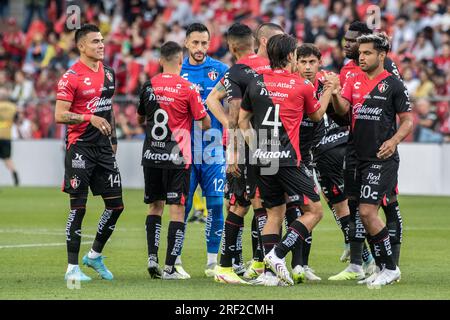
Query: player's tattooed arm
x=215, y=106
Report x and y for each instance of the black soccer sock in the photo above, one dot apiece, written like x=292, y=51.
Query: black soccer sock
x=255, y=240
x=153, y=230
x=175, y=238
x=382, y=248
x=372, y=250
x=356, y=233
x=238, y=256
x=107, y=223
x=233, y=225
x=394, y=223
x=292, y=212
x=15, y=178
x=307, y=249
x=296, y=233
x=73, y=228
x=344, y=224
x=261, y=219
x=366, y=253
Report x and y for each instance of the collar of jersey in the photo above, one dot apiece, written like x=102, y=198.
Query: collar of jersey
x=188, y=64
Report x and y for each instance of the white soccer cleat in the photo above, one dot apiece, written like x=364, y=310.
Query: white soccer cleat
x=154, y=269
x=209, y=271
x=345, y=256
x=370, y=278
x=309, y=274
x=268, y=279
x=179, y=268
x=385, y=277
x=174, y=275
x=279, y=267
x=369, y=267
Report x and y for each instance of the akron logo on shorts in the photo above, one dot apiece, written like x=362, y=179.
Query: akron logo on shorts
x=213, y=74
x=75, y=182
x=382, y=87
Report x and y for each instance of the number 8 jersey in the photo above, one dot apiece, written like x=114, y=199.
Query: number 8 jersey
x=169, y=103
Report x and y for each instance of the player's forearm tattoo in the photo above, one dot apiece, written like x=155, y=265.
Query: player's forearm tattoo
x=220, y=87
x=71, y=118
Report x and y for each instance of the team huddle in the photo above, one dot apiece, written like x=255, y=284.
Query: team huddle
x=255, y=134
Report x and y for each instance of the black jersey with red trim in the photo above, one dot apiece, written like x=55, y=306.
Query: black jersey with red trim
x=90, y=92
x=351, y=68
x=170, y=104
x=278, y=99
x=374, y=106
x=318, y=137
x=238, y=77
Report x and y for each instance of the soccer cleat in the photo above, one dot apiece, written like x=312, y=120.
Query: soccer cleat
x=172, y=274
x=345, y=256
x=309, y=274
x=179, y=268
x=254, y=270
x=370, y=278
x=279, y=267
x=227, y=275
x=209, y=271
x=76, y=275
x=347, y=274
x=154, y=269
x=268, y=279
x=298, y=274
x=369, y=267
x=386, y=276
x=239, y=269
x=98, y=265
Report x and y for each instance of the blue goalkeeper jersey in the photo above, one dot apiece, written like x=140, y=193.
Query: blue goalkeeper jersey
x=205, y=76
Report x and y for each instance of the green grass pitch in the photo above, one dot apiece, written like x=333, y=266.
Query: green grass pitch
x=33, y=254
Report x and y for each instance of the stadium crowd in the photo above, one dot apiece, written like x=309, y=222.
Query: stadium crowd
x=35, y=54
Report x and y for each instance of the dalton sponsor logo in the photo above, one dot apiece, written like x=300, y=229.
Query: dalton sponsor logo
x=271, y=154
x=160, y=156
x=274, y=94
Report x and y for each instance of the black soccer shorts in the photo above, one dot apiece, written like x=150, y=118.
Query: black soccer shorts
x=91, y=167
x=296, y=182
x=170, y=185
x=237, y=186
x=377, y=179
x=330, y=174
x=5, y=149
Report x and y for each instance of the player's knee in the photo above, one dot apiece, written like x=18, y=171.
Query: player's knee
x=156, y=208
x=78, y=202
x=115, y=204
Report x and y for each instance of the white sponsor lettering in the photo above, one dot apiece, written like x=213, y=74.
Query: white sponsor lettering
x=333, y=138
x=271, y=155
x=98, y=104
x=160, y=156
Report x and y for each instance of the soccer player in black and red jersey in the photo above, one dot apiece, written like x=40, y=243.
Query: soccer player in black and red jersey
x=84, y=103
x=276, y=102
x=374, y=99
x=361, y=263
x=240, y=177
x=168, y=104
x=322, y=147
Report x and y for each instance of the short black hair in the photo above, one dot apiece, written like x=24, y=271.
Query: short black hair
x=84, y=30
x=380, y=41
x=241, y=33
x=264, y=27
x=170, y=49
x=196, y=27
x=278, y=49
x=308, y=49
x=360, y=27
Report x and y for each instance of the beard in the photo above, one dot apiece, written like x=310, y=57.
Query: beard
x=370, y=68
x=197, y=53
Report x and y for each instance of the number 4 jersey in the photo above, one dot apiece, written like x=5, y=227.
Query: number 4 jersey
x=169, y=103
x=278, y=99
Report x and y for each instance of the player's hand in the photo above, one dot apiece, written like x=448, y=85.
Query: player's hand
x=232, y=163
x=387, y=149
x=101, y=124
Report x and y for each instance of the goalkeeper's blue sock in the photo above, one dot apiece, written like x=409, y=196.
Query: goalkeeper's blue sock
x=214, y=223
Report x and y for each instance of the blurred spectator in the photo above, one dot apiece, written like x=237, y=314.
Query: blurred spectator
x=35, y=54
x=32, y=6
x=410, y=81
x=23, y=127
x=23, y=89
x=422, y=48
x=4, y=10
x=404, y=35
x=426, y=123
x=14, y=41
x=316, y=9
x=426, y=88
